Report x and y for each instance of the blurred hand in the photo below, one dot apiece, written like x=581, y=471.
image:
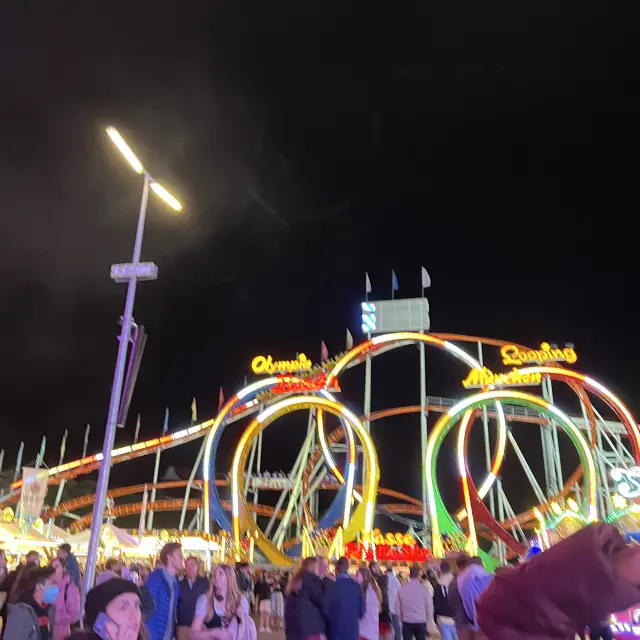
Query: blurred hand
x=627, y=563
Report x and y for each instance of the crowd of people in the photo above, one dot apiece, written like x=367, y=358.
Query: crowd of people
x=555, y=595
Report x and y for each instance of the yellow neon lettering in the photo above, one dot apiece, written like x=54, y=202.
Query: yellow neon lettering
x=478, y=378
x=511, y=355
x=262, y=364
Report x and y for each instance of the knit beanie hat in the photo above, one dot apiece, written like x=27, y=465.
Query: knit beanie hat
x=99, y=597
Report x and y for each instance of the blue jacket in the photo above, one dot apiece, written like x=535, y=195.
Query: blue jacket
x=73, y=569
x=345, y=608
x=160, y=590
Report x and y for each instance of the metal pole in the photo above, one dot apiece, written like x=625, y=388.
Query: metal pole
x=114, y=406
x=423, y=428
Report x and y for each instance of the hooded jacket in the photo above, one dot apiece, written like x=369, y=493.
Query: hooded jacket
x=22, y=622
x=560, y=591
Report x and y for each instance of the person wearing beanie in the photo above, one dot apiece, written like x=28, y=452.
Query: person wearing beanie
x=119, y=600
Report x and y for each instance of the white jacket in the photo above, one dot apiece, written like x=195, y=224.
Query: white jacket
x=369, y=624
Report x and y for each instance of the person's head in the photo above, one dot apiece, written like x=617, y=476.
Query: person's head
x=309, y=565
x=323, y=566
x=64, y=550
x=414, y=572
x=462, y=562
x=39, y=583
x=171, y=557
x=119, y=600
x=477, y=561
x=192, y=567
x=243, y=568
x=224, y=585
x=365, y=578
x=33, y=557
x=342, y=566
x=389, y=571
x=445, y=567
x=60, y=568
x=114, y=565
x=375, y=569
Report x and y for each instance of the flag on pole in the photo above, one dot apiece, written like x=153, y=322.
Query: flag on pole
x=220, y=400
x=40, y=456
x=165, y=426
x=137, y=433
x=426, y=280
x=18, y=469
x=367, y=284
x=63, y=446
x=394, y=283
x=349, y=340
x=143, y=513
x=194, y=412
x=324, y=352
x=86, y=440
x=1, y=459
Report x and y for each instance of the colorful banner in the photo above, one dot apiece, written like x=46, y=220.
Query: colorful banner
x=34, y=491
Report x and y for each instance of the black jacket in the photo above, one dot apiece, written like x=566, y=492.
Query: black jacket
x=305, y=610
x=187, y=597
x=441, y=604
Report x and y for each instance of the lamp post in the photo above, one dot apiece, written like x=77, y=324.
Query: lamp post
x=131, y=273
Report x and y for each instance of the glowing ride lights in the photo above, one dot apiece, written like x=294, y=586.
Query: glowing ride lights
x=628, y=482
x=480, y=378
x=266, y=364
x=512, y=354
x=236, y=402
x=437, y=511
x=239, y=506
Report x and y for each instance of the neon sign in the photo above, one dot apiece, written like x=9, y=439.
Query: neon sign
x=286, y=384
x=266, y=364
x=628, y=482
x=388, y=553
x=393, y=538
x=479, y=378
x=511, y=354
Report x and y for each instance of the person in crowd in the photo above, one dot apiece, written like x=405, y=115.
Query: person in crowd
x=31, y=614
x=345, y=605
x=416, y=606
x=393, y=587
x=112, y=611
x=243, y=579
x=442, y=610
x=594, y=566
x=4, y=569
x=385, y=625
x=112, y=569
x=263, y=597
x=471, y=584
x=370, y=622
x=10, y=584
x=164, y=589
x=464, y=627
x=192, y=586
x=68, y=602
x=325, y=576
x=304, y=607
x=223, y=612
x=277, y=605
x=71, y=562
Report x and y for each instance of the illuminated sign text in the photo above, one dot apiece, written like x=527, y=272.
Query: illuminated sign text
x=511, y=354
x=266, y=364
x=479, y=378
x=393, y=538
x=287, y=384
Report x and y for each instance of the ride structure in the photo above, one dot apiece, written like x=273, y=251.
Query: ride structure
x=608, y=452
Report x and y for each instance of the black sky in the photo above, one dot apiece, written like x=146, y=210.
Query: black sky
x=310, y=142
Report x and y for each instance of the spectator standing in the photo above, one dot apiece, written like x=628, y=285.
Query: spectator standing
x=304, y=607
x=393, y=587
x=73, y=567
x=442, y=610
x=345, y=605
x=263, y=596
x=68, y=601
x=416, y=606
x=192, y=586
x=10, y=584
x=370, y=622
x=164, y=589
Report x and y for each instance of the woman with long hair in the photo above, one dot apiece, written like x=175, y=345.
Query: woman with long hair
x=369, y=623
x=223, y=611
x=305, y=607
x=68, y=602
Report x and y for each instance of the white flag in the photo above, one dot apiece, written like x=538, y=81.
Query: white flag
x=349, y=340
x=34, y=491
x=367, y=283
x=426, y=279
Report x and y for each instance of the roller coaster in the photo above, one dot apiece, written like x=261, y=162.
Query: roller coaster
x=584, y=495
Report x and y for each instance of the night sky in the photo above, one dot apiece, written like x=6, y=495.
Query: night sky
x=309, y=142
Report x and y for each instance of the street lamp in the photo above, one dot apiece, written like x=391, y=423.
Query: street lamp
x=131, y=273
